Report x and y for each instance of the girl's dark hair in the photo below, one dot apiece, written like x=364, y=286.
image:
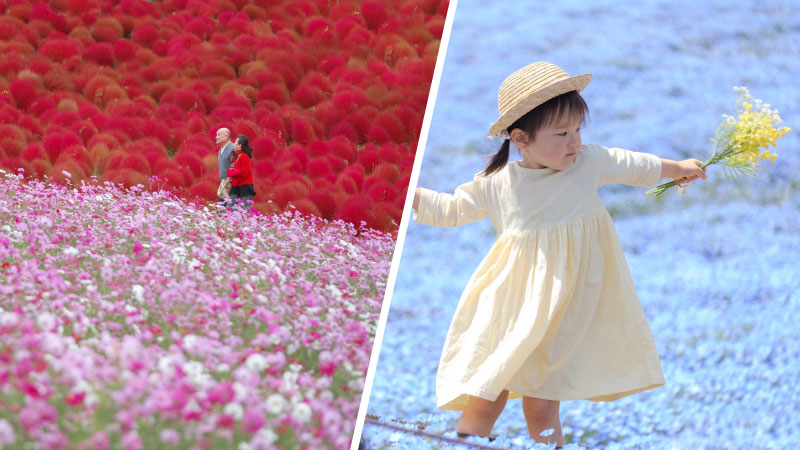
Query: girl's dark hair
x=569, y=105
x=245, y=143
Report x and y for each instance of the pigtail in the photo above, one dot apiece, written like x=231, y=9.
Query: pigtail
x=499, y=159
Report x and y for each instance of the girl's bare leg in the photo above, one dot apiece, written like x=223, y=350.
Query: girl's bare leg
x=480, y=415
x=542, y=415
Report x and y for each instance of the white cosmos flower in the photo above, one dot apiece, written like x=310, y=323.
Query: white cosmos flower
x=356, y=384
x=256, y=362
x=235, y=410
x=46, y=321
x=275, y=403
x=265, y=436
x=190, y=342
x=9, y=318
x=301, y=412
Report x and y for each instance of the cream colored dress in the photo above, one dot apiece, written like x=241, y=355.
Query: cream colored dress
x=551, y=311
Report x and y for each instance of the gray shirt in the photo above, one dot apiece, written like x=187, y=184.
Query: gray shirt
x=224, y=160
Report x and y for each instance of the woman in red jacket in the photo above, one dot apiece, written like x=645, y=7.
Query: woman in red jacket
x=241, y=173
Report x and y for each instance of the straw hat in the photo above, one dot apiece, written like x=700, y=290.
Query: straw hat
x=529, y=87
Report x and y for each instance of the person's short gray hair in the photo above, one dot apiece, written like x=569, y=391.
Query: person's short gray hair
x=227, y=131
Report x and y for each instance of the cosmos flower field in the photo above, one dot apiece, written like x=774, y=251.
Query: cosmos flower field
x=133, y=319
x=715, y=269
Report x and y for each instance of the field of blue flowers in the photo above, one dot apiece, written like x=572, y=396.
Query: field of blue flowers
x=717, y=270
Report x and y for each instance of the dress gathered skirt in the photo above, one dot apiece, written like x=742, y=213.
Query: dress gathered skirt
x=551, y=312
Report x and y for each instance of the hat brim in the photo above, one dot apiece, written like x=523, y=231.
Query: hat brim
x=576, y=83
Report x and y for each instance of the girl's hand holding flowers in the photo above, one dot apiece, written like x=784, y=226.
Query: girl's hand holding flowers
x=738, y=145
x=682, y=172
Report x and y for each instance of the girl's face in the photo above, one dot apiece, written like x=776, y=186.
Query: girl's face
x=556, y=145
x=237, y=146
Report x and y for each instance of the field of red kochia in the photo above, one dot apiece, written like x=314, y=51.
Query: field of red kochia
x=331, y=94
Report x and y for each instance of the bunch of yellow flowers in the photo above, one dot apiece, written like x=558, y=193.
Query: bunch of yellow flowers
x=739, y=144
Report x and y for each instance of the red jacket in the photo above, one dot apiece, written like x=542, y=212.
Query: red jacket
x=240, y=172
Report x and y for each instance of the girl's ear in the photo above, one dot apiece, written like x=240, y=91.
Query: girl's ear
x=518, y=137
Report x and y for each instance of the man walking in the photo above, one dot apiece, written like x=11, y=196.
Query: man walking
x=223, y=139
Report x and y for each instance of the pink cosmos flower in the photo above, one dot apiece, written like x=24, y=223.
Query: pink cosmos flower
x=99, y=441
x=131, y=441
x=170, y=436
x=222, y=394
x=252, y=421
x=6, y=433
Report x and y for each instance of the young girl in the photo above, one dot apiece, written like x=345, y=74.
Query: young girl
x=550, y=314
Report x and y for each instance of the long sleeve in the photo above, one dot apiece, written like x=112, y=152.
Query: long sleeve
x=224, y=160
x=627, y=167
x=466, y=205
x=241, y=172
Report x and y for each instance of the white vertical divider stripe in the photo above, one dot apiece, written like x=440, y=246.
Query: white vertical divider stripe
x=401, y=233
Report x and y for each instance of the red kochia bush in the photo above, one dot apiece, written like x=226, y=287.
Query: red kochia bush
x=145, y=34
x=318, y=167
x=184, y=99
x=344, y=130
x=216, y=68
x=380, y=190
x=306, y=207
x=343, y=148
x=30, y=124
x=204, y=190
x=83, y=129
x=201, y=26
x=13, y=133
x=33, y=151
x=324, y=201
x=42, y=11
x=307, y=95
x=75, y=154
x=107, y=29
x=369, y=157
x=102, y=53
x=287, y=192
x=354, y=173
x=124, y=50
x=263, y=168
x=54, y=143
x=356, y=209
x=175, y=178
x=377, y=135
x=10, y=27
x=387, y=171
x=191, y=162
x=374, y=14
x=23, y=91
x=245, y=127
x=264, y=147
x=301, y=130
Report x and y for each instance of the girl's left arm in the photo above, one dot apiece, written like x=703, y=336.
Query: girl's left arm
x=687, y=170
